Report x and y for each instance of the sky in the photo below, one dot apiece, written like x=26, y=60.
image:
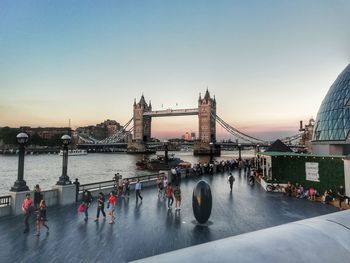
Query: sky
x=269, y=63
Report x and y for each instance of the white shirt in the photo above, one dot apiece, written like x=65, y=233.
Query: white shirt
x=138, y=186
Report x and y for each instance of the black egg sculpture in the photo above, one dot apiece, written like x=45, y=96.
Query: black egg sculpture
x=202, y=202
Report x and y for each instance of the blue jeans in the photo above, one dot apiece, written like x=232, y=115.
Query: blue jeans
x=170, y=201
x=86, y=211
x=138, y=194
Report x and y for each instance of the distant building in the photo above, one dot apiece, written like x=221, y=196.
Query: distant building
x=193, y=136
x=189, y=136
x=332, y=126
x=100, y=131
x=111, y=127
x=46, y=132
x=307, y=133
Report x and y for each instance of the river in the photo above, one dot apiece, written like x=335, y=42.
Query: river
x=94, y=167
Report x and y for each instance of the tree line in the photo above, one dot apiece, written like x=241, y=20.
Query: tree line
x=8, y=137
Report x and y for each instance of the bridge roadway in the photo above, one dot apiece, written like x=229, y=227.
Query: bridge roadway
x=149, y=228
x=171, y=112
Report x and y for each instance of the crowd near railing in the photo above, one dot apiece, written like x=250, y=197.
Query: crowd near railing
x=111, y=183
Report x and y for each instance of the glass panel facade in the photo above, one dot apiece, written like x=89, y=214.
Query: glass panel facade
x=333, y=118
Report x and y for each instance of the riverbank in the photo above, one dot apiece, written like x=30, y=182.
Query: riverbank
x=46, y=169
x=149, y=228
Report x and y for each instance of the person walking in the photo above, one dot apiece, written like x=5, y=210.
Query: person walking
x=120, y=186
x=231, y=179
x=112, y=202
x=77, y=185
x=173, y=174
x=41, y=218
x=115, y=182
x=165, y=184
x=37, y=197
x=177, y=194
x=138, y=190
x=86, y=200
x=160, y=186
x=127, y=187
x=27, y=207
x=169, y=194
x=100, y=206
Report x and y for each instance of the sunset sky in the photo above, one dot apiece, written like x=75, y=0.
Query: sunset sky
x=269, y=63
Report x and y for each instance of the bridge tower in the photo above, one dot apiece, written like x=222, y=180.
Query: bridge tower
x=207, y=126
x=206, y=118
x=142, y=125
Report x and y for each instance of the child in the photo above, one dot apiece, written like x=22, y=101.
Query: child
x=41, y=218
x=112, y=201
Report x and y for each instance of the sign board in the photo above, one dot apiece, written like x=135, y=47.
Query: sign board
x=311, y=170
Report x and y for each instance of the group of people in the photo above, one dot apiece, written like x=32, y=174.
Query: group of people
x=311, y=193
x=299, y=191
x=121, y=186
x=87, y=201
x=166, y=190
x=37, y=207
x=111, y=202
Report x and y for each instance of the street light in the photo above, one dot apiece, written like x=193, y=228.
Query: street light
x=211, y=144
x=166, y=143
x=20, y=185
x=257, y=159
x=64, y=179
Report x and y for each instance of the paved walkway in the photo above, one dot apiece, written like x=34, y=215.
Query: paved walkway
x=150, y=228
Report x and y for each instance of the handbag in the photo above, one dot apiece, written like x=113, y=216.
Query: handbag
x=81, y=208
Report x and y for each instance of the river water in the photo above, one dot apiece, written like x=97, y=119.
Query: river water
x=46, y=169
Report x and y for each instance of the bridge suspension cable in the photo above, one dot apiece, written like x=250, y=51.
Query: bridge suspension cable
x=117, y=137
x=87, y=139
x=292, y=138
x=236, y=132
x=249, y=138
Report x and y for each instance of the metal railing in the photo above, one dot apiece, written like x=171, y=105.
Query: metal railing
x=112, y=183
x=5, y=200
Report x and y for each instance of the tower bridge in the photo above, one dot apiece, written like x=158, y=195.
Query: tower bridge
x=206, y=111
x=170, y=112
x=138, y=137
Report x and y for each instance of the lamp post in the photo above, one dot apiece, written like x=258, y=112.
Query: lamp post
x=20, y=185
x=64, y=179
x=166, y=143
x=211, y=144
x=239, y=152
x=257, y=159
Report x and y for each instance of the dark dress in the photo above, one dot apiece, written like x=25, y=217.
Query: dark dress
x=37, y=198
x=42, y=214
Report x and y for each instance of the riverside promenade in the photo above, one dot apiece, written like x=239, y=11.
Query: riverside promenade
x=149, y=228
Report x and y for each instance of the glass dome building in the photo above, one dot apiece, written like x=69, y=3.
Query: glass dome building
x=332, y=126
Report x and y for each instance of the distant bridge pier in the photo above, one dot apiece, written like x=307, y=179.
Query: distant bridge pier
x=204, y=148
x=137, y=147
